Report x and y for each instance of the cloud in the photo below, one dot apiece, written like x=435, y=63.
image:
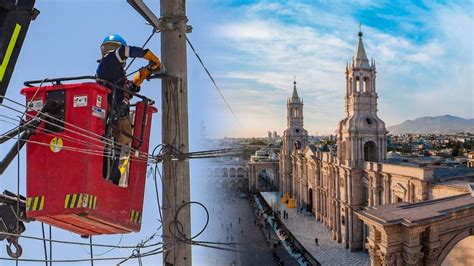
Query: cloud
x=314, y=46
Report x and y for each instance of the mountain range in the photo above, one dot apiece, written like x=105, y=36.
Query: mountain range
x=435, y=125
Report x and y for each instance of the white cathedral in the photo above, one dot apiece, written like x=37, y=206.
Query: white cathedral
x=336, y=186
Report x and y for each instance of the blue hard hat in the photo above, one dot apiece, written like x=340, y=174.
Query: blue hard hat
x=111, y=42
x=114, y=38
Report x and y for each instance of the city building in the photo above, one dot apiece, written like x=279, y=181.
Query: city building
x=295, y=137
x=344, y=188
x=470, y=159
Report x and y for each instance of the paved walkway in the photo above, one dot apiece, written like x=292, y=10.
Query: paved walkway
x=305, y=228
x=225, y=226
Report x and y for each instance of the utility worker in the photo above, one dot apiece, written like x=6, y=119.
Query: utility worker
x=115, y=52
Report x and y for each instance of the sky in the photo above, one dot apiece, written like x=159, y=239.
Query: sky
x=253, y=49
x=423, y=51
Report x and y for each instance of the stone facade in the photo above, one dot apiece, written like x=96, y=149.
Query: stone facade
x=422, y=233
x=294, y=137
x=470, y=159
x=336, y=186
x=227, y=174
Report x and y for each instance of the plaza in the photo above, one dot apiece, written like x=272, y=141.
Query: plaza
x=305, y=228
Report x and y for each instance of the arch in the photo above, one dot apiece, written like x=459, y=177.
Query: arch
x=297, y=145
x=310, y=200
x=365, y=84
x=232, y=172
x=225, y=173
x=370, y=151
x=240, y=172
x=452, y=244
x=217, y=172
x=266, y=178
x=260, y=170
x=357, y=83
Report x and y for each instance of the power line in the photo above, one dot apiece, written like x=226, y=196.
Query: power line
x=140, y=155
x=143, y=46
x=81, y=243
x=213, y=81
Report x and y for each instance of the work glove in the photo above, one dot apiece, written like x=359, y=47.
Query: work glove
x=154, y=61
x=142, y=74
x=155, y=70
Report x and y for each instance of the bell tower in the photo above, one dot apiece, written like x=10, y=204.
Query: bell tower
x=361, y=136
x=294, y=137
x=294, y=110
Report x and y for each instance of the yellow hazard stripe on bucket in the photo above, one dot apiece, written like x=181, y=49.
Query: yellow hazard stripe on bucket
x=35, y=203
x=135, y=217
x=81, y=200
x=124, y=167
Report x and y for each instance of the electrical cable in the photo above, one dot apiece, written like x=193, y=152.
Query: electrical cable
x=167, y=149
x=78, y=150
x=213, y=81
x=79, y=260
x=100, y=140
x=17, y=229
x=156, y=185
x=191, y=155
x=80, y=243
x=106, y=153
x=107, y=251
x=44, y=244
x=50, y=246
x=91, y=250
x=66, y=137
x=143, y=46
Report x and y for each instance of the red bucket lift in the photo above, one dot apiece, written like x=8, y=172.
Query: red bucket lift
x=65, y=183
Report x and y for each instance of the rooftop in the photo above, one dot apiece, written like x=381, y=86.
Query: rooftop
x=418, y=213
x=451, y=172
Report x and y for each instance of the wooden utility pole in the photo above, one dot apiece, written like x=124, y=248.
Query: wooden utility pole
x=176, y=190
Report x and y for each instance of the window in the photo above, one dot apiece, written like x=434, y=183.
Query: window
x=366, y=195
x=365, y=86
x=370, y=152
x=297, y=145
x=295, y=112
x=357, y=84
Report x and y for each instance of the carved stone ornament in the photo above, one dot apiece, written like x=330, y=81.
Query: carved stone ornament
x=389, y=259
x=412, y=258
